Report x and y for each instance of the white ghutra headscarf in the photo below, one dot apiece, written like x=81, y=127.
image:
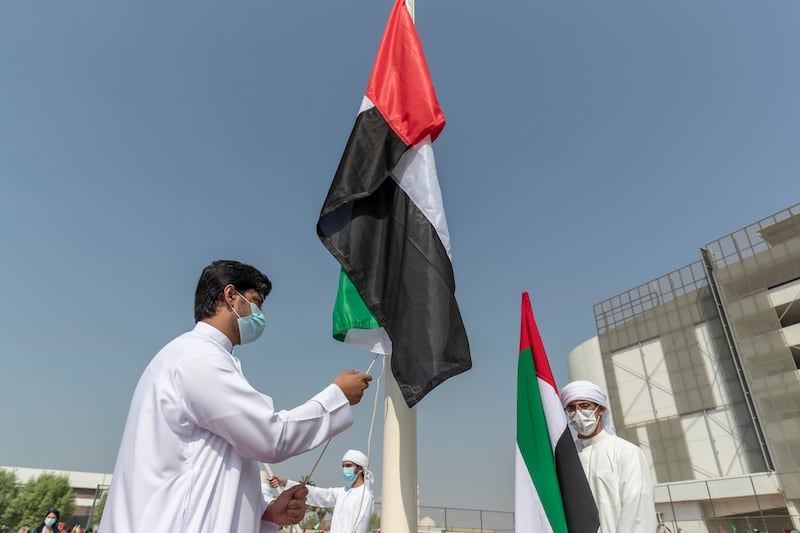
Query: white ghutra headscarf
x=356, y=457
x=586, y=390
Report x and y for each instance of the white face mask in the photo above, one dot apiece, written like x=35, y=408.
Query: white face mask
x=584, y=421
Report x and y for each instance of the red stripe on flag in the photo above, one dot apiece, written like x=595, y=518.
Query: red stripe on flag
x=529, y=338
x=400, y=85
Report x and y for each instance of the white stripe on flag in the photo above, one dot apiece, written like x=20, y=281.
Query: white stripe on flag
x=529, y=515
x=416, y=175
x=373, y=340
x=553, y=411
x=366, y=105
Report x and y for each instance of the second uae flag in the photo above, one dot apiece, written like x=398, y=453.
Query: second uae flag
x=551, y=492
x=383, y=220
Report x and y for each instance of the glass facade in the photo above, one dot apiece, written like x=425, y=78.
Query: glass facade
x=750, y=267
x=672, y=381
x=702, y=364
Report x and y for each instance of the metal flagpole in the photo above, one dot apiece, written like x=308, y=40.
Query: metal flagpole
x=399, y=479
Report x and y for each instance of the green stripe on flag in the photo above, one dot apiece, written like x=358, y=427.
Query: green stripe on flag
x=350, y=311
x=534, y=442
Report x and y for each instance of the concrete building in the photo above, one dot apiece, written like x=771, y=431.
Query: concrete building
x=701, y=367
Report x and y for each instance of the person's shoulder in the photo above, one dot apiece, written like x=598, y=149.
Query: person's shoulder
x=625, y=445
x=172, y=349
x=189, y=352
x=367, y=491
x=195, y=343
x=176, y=344
x=621, y=441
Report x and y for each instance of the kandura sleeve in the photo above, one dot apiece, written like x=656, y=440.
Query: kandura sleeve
x=220, y=399
x=268, y=527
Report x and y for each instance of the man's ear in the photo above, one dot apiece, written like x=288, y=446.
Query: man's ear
x=228, y=294
x=226, y=297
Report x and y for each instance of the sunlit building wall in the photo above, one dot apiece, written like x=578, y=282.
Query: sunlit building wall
x=701, y=367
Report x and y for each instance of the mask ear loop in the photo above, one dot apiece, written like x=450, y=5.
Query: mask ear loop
x=251, y=304
x=234, y=309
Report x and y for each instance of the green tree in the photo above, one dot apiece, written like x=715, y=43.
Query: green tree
x=8, y=489
x=36, y=497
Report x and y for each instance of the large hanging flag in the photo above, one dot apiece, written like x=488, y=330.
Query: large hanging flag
x=384, y=221
x=551, y=490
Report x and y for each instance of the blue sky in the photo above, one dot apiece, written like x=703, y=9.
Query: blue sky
x=590, y=147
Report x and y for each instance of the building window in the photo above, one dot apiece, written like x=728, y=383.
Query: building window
x=785, y=299
x=796, y=355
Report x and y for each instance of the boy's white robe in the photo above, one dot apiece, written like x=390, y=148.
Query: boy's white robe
x=195, y=434
x=620, y=481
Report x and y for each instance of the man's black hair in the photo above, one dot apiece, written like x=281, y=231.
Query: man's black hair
x=220, y=273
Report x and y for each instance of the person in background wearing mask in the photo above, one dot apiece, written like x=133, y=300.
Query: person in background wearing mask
x=49, y=523
x=197, y=430
x=617, y=471
x=352, y=504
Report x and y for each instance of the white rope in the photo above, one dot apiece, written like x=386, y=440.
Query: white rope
x=369, y=437
x=330, y=439
x=318, y=458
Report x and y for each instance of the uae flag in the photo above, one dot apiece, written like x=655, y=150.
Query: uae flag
x=384, y=221
x=551, y=491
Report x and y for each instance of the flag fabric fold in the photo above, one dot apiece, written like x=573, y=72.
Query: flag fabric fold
x=383, y=220
x=551, y=490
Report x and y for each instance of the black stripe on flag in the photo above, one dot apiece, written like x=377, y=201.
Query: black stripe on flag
x=395, y=259
x=579, y=506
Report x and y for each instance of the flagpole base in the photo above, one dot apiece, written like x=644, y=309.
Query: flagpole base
x=399, y=503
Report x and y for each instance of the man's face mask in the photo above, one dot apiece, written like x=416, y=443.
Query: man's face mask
x=251, y=326
x=584, y=421
x=349, y=475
